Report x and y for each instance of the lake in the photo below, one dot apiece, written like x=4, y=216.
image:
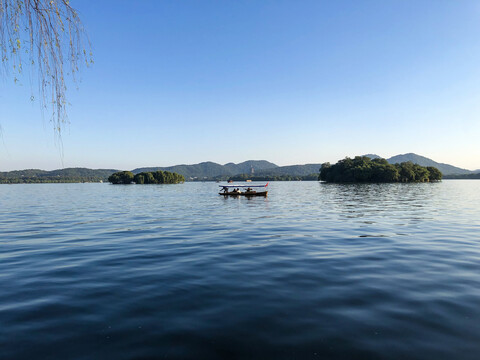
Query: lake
x=314, y=271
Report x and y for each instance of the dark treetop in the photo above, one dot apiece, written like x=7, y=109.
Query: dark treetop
x=365, y=169
x=156, y=177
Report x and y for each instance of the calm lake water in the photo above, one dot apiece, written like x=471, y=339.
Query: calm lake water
x=314, y=271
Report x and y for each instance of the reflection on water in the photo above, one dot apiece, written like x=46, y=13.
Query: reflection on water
x=374, y=271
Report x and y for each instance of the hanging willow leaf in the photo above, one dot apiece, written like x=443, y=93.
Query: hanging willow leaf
x=47, y=35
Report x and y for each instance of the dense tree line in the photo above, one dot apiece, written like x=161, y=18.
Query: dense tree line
x=69, y=175
x=47, y=179
x=463, y=176
x=243, y=177
x=154, y=177
x=364, y=169
x=121, y=177
x=158, y=177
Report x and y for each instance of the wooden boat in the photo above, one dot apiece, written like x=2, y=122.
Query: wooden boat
x=248, y=190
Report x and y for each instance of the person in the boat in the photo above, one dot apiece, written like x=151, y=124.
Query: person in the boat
x=225, y=190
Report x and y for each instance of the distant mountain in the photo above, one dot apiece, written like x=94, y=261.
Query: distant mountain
x=446, y=169
x=204, y=169
x=210, y=169
x=246, y=166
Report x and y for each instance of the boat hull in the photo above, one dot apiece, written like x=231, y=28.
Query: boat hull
x=246, y=194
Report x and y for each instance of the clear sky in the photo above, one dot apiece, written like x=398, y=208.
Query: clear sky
x=292, y=82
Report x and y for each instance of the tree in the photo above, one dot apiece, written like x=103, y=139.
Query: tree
x=47, y=37
x=435, y=174
x=149, y=179
x=139, y=179
x=157, y=177
x=121, y=177
x=421, y=173
x=406, y=171
x=324, y=171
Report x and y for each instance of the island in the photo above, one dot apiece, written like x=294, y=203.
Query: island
x=363, y=169
x=154, y=177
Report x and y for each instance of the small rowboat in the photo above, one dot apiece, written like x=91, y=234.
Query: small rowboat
x=248, y=190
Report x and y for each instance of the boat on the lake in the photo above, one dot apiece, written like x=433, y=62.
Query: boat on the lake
x=244, y=190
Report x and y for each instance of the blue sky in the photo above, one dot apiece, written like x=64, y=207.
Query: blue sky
x=292, y=82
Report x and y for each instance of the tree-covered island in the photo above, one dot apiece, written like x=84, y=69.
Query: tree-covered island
x=155, y=177
x=364, y=169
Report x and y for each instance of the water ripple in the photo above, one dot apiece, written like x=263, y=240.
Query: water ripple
x=320, y=271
